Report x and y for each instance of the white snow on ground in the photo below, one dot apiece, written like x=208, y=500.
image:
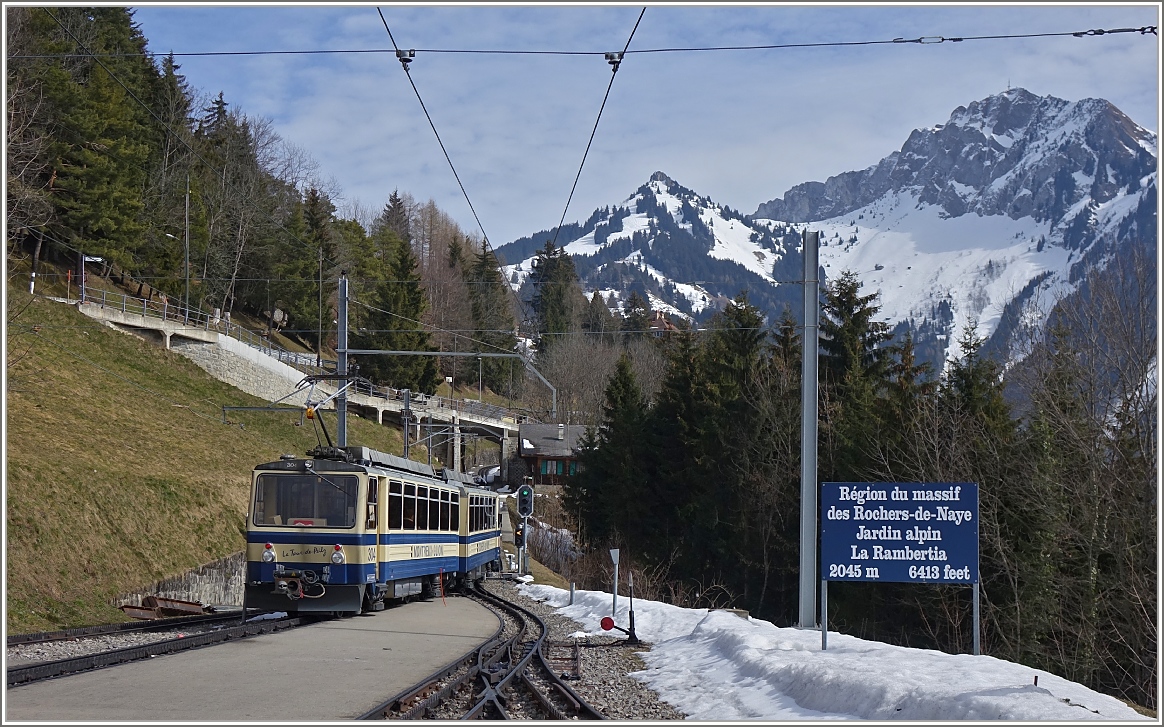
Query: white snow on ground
x=718, y=666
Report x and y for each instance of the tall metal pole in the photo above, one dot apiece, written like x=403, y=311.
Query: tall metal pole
x=319, y=343
x=186, y=302
x=808, y=427
x=406, y=417
x=341, y=402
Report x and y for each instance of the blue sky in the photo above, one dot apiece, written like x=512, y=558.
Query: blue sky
x=739, y=126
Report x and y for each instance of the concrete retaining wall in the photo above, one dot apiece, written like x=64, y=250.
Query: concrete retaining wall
x=246, y=368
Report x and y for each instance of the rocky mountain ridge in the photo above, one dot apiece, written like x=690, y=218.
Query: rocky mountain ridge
x=985, y=219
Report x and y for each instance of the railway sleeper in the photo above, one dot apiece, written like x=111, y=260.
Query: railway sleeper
x=542, y=698
x=422, y=704
x=568, y=697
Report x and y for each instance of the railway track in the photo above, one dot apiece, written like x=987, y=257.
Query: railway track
x=517, y=674
x=153, y=625
x=188, y=633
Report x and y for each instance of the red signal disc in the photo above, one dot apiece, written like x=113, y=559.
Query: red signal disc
x=607, y=623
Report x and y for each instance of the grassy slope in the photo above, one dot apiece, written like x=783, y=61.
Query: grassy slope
x=120, y=470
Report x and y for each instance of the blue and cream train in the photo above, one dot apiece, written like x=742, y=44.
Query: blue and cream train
x=347, y=529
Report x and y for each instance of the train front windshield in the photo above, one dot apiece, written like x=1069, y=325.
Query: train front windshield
x=306, y=500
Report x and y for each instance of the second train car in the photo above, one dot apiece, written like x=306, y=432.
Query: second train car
x=347, y=529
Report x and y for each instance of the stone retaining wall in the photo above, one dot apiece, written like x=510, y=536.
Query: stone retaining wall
x=219, y=583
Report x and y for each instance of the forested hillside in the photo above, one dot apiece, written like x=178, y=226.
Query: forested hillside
x=112, y=155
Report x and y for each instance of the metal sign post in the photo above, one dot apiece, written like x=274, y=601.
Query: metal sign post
x=824, y=615
x=614, y=605
x=525, y=547
x=808, y=432
x=632, y=638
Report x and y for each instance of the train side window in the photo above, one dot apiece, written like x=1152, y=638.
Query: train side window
x=395, y=505
x=422, y=508
x=446, y=524
x=434, y=508
x=455, y=511
x=409, y=508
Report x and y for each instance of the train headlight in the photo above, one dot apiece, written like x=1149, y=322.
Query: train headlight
x=268, y=554
x=338, y=556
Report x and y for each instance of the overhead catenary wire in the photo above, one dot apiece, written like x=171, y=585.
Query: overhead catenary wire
x=405, y=58
x=920, y=40
x=432, y=327
x=615, y=61
x=923, y=40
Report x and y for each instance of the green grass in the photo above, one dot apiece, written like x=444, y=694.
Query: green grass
x=120, y=469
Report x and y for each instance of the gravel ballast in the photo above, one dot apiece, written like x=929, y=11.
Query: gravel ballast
x=607, y=663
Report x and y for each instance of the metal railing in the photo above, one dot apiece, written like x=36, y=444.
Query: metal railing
x=423, y=402
x=306, y=362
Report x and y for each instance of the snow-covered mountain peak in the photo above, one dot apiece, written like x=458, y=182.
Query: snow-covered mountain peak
x=996, y=212
x=1013, y=153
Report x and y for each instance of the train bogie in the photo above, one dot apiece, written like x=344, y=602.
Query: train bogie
x=349, y=533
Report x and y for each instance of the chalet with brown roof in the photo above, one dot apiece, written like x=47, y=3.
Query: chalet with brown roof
x=550, y=451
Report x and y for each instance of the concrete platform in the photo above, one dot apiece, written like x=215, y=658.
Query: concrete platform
x=333, y=670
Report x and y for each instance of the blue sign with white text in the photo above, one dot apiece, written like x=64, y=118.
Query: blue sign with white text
x=899, y=531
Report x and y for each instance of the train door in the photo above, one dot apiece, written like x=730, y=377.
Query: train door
x=372, y=528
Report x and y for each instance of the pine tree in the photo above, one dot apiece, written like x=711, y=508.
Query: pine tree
x=611, y=493
x=854, y=373
x=680, y=461
x=851, y=339
x=598, y=321
x=911, y=385
x=730, y=360
x=636, y=318
x=394, y=219
x=100, y=162
x=558, y=301
x=494, y=321
x=394, y=323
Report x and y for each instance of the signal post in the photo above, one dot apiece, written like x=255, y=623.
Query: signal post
x=525, y=499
